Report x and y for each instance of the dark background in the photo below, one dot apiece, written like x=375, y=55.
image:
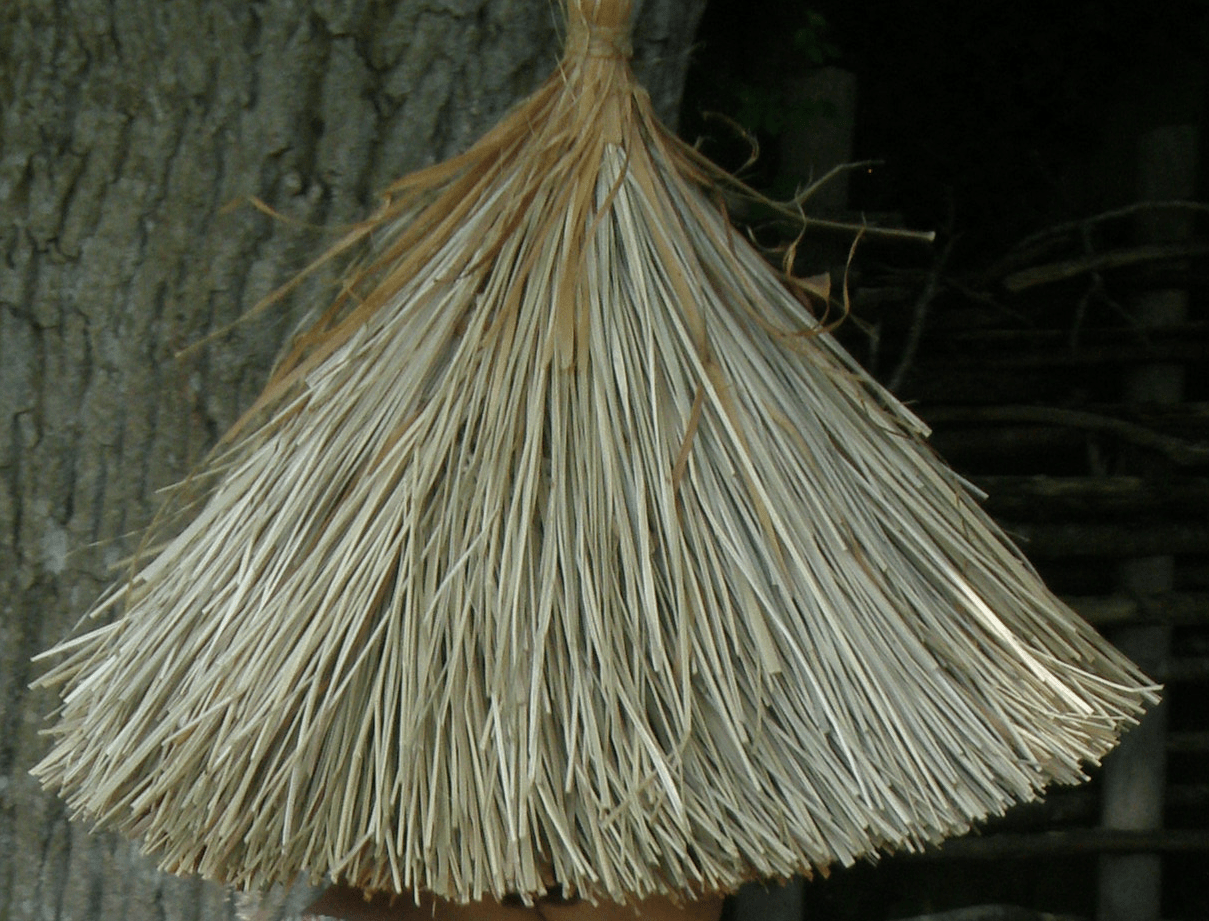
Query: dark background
x=993, y=121
x=1012, y=113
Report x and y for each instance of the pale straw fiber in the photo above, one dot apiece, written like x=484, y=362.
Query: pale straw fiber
x=566, y=547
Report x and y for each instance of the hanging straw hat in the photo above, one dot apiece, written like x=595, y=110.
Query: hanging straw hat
x=566, y=547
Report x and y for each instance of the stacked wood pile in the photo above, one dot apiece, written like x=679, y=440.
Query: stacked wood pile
x=1024, y=373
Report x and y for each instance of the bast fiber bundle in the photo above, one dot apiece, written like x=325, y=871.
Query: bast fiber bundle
x=567, y=549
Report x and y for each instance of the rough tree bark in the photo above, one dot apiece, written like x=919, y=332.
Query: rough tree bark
x=127, y=127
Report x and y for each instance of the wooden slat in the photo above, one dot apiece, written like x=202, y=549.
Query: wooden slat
x=1174, y=608
x=1017, y=846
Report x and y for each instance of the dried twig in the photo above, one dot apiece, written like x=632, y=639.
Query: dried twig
x=919, y=316
x=1082, y=225
x=1098, y=262
x=1177, y=450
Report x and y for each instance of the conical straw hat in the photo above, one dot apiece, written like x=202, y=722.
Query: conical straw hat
x=566, y=547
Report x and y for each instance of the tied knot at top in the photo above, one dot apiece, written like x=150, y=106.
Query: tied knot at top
x=598, y=29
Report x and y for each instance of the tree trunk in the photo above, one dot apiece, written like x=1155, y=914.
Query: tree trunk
x=128, y=127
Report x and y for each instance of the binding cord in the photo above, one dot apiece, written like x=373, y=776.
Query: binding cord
x=589, y=41
x=599, y=29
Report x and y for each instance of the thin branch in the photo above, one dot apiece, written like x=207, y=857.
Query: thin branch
x=1177, y=450
x=1115, y=259
x=792, y=209
x=801, y=197
x=1060, y=230
x=919, y=317
x=870, y=230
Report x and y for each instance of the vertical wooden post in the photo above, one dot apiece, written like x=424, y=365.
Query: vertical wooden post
x=823, y=139
x=1134, y=776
